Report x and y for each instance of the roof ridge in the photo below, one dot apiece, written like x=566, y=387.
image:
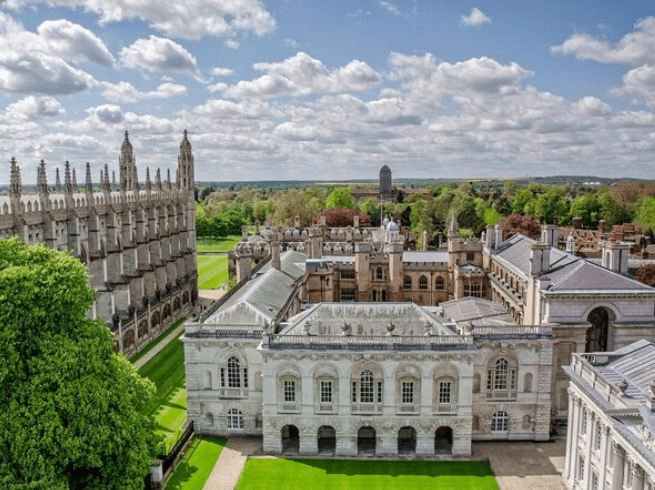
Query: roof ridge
x=579, y=264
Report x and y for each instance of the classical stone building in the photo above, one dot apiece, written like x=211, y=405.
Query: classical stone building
x=138, y=240
x=611, y=427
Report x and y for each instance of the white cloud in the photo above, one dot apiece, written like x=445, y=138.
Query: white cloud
x=476, y=18
x=32, y=107
x=389, y=6
x=126, y=92
x=291, y=43
x=220, y=71
x=232, y=44
x=637, y=47
x=302, y=75
x=30, y=64
x=639, y=83
x=73, y=41
x=107, y=113
x=188, y=19
x=158, y=54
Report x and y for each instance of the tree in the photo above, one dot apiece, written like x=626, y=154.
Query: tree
x=73, y=412
x=646, y=213
x=341, y=217
x=588, y=208
x=295, y=203
x=340, y=198
x=515, y=223
x=646, y=274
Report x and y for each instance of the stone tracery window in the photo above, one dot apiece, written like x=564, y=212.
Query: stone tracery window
x=233, y=378
x=501, y=379
x=407, y=283
x=366, y=391
x=439, y=283
x=423, y=282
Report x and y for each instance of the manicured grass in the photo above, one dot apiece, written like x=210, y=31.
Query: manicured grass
x=217, y=244
x=199, y=460
x=166, y=370
x=324, y=474
x=212, y=271
x=157, y=340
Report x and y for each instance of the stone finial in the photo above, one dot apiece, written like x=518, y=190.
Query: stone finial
x=427, y=326
x=307, y=327
x=42, y=179
x=158, y=179
x=114, y=185
x=105, y=179
x=453, y=229
x=390, y=328
x=68, y=183
x=345, y=328
x=168, y=178
x=74, y=182
x=57, y=182
x=148, y=183
x=88, y=182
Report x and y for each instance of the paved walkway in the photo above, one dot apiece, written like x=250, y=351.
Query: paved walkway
x=227, y=469
x=525, y=465
x=155, y=350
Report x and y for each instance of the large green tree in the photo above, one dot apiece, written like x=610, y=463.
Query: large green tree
x=72, y=411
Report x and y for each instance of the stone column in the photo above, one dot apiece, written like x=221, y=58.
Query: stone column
x=618, y=460
x=589, y=445
x=637, y=477
x=603, y=455
x=569, y=435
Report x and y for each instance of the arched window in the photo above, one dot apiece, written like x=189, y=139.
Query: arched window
x=379, y=274
x=366, y=392
x=439, y=283
x=423, y=282
x=501, y=379
x=407, y=283
x=527, y=382
x=500, y=422
x=233, y=373
x=234, y=419
x=234, y=378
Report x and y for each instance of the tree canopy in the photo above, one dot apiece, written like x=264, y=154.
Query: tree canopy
x=72, y=411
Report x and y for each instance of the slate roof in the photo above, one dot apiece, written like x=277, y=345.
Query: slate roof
x=365, y=319
x=425, y=256
x=567, y=272
x=480, y=312
x=259, y=300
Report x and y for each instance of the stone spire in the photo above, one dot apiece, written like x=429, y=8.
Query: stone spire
x=42, y=179
x=127, y=166
x=113, y=180
x=168, y=178
x=453, y=229
x=148, y=183
x=57, y=182
x=89, y=182
x=105, y=179
x=185, y=165
x=158, y=179
x=74, y=183
x=15, y=185
x=68, y=184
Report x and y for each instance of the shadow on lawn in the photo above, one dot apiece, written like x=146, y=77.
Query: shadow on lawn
x=400, y=468
x=183, y=474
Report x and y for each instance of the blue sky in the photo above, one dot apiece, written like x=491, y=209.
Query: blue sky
x=332, y=90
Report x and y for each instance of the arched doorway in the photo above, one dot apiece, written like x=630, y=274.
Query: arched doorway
x=443, y=440
x=366, y=440
x=596, y=336
x=407, y=440
x=290, y=439
x=327, y=440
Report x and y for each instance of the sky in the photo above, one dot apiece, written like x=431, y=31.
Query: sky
x=331, y=89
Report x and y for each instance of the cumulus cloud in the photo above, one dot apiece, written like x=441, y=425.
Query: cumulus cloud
x=188, y=19
x=389, y=6
x=637, y=47
x=29, y=63
x=220, y=71
x=302, y=75
x=32, y=107
x=126, y=92
x=107, y=113
x=639, y=83
x=158, y=54
x=75, y=42
x=476, y=18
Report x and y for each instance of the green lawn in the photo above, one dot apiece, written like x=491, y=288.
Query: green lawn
x=198, y=462
x=166, y=370
x=324, y=474
x=212, y=271
x=159, y=338
x=217, y=244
